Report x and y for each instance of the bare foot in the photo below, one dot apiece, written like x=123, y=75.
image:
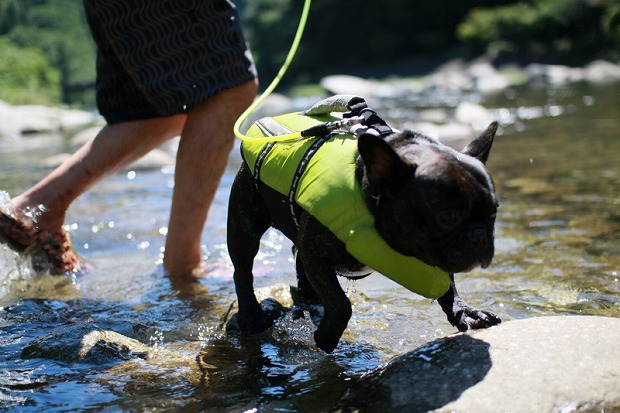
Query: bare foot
x=50, y=250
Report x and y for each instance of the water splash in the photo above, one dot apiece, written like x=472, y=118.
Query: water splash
x=30, y=213
x=156, y=340
x=16, y=271
x=5, y=201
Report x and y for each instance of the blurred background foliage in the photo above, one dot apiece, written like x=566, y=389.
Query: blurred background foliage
x=48, y=57
x=564, y=31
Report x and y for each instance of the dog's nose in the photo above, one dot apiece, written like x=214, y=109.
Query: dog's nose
x=485, y=262
x=482, y=241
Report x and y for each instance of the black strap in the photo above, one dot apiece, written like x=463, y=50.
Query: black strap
x=261, y=158
x=359, y=107
x=303, y=164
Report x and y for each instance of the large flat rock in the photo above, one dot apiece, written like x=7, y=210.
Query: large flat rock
x=545, y=364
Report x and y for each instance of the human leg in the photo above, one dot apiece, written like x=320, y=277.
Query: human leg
x=114, y=147
x=205, y=144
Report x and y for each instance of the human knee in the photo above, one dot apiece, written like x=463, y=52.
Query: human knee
x=250, y=89
x=231, y=101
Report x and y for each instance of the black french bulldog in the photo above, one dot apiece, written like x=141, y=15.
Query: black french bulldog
x=429, y=201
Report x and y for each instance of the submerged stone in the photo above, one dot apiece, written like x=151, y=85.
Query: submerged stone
x=86, y=343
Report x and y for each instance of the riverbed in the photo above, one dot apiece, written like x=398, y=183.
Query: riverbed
x=555, y=165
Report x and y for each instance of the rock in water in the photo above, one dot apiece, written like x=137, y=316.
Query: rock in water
x=87, y=343
x=545, y=364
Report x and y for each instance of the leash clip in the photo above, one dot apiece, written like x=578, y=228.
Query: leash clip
x=345, y=124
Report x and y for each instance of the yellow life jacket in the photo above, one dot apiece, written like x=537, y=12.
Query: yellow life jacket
x=318, y=175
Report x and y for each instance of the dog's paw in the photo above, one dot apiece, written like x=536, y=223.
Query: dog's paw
x=253, y=323
x=328, y=334
x=325, y=340
x=253, y=318
x=462, y=315
x=467, y=318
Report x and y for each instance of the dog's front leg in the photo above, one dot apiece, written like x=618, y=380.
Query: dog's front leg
x=462, y=315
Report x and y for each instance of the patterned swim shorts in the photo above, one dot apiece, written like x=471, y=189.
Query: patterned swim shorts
x=162, y=57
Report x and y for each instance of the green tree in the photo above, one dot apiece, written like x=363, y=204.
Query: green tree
x=26, y=76
x=58, y=29
x=352, y=36
x=11, y=13
x=566, y=31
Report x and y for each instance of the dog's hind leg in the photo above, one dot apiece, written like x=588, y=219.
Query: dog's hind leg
x=336, y=305
x=317, y=247
x=247, y=222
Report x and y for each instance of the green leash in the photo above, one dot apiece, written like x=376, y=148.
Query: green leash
x=289, y=58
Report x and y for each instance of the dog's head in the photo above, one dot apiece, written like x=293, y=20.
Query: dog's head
x=429, y=200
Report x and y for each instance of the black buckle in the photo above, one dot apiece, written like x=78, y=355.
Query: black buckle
x=359, y=107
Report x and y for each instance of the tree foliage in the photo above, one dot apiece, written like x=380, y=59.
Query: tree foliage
x=567, y=31
x=56, y=30
x=352, y=36
x=26, y=76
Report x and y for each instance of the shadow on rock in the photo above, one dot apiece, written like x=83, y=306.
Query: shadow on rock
x=422, y=380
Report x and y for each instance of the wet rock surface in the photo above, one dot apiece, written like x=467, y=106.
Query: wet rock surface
x=545, y=364
x=87, y=343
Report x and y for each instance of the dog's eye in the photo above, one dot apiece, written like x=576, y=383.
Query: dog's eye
x=449, y=218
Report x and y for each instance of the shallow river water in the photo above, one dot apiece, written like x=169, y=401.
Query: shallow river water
x=556, y=167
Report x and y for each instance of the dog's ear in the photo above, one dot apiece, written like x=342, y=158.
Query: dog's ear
x=480, y=147
x=383, y=165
